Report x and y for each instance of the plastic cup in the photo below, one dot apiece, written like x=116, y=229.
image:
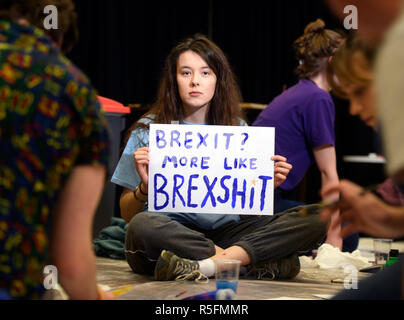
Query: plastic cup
x=382, y=248
x=226, y=274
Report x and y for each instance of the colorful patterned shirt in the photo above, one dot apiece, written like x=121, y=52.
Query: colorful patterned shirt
x=50, y=121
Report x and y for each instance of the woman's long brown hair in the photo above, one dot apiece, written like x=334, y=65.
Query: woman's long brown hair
x=225, y=105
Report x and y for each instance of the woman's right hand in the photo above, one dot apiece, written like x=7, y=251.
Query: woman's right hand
x=141, y=158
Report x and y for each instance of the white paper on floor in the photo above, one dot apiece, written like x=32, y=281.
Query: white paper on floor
x=329, y=257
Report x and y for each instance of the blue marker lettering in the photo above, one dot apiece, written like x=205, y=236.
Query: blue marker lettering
x=226, y=167
x=226, y=190
x=204, y=163
x=172, y=159
x=160, y=190
x=160, y=142
x=264, y=187
x=183, y=161
x=202, y=140
x=188, y=141
x=242, y=163
x=252, y=191
x=175, y=135
x=190, y=188
x=193, y=162
x=253, y=165
x=176, y=188
x=209, y=193
x=238, y=193
x=228, y=136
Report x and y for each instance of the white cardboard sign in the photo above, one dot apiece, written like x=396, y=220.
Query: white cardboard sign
x=211, y=169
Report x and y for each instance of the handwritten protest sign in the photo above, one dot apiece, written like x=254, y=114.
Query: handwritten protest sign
x=211, y=169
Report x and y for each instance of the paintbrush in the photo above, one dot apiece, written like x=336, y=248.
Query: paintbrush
x=328, y=204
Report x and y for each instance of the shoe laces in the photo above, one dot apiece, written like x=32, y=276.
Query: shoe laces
x=195, y=275
x=189, y=271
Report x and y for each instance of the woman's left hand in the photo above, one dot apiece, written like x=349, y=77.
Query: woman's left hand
x=281, y=170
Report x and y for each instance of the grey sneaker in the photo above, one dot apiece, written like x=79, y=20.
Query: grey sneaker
x=170, y=267
x=285, y=268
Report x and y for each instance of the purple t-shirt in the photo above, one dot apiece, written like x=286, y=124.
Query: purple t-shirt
x=303, y=117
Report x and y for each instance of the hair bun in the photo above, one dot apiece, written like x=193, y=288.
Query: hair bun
x=315, y=27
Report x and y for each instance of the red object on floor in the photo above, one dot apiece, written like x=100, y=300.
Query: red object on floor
x=109, y=105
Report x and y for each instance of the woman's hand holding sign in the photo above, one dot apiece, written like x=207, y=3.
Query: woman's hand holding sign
x=141, y=158
x=281, y=169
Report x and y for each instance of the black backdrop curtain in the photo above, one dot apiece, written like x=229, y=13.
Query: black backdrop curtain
x=123, y=45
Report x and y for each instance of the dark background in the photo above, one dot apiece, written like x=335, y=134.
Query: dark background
x=123, y=45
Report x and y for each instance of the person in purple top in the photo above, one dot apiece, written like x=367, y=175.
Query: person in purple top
x=304, y=120
x=303, y=117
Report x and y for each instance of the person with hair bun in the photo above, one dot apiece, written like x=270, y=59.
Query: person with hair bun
x=303, y=117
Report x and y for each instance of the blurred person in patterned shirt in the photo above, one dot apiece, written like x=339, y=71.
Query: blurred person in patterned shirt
x=54, y=146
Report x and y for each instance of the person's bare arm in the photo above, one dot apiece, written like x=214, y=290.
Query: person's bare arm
x=326, y=162
x=71, y=239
